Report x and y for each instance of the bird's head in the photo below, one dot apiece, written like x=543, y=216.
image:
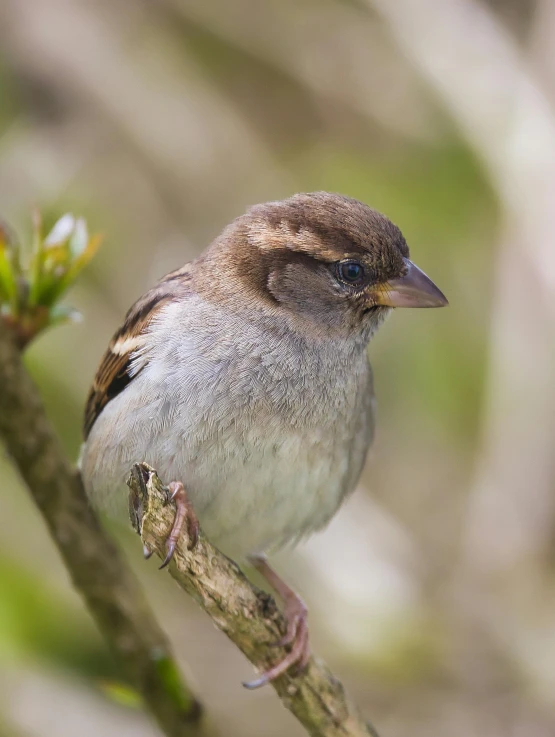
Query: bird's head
x=328, y=262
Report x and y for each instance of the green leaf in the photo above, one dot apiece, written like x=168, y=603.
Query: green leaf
x=37, y=257
x=10, y=267
x=80, y=262
x=29, y=297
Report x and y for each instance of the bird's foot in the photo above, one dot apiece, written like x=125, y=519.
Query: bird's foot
x=296, y=634
x=185, y=517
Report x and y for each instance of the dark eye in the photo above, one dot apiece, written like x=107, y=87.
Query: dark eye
x=351, y=272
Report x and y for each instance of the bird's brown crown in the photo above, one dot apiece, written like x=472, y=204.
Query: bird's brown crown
x=328, y=227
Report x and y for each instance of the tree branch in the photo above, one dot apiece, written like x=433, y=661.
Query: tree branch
x=247, y=615
x=96, y=567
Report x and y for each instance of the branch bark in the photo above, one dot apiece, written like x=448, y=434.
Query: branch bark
x=97, y=569
x=247, y=615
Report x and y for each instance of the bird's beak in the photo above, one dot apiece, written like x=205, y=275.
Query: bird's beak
x=414, y=289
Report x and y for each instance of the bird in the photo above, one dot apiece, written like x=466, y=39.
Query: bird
x=243, y=377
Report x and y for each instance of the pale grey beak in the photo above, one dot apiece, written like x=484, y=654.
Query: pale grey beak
x=414, y=289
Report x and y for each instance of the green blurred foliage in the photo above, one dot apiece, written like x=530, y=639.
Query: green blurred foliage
x=37, y=621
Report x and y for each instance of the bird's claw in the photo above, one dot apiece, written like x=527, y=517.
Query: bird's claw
x=295, y=613
x=297, y=636
x=184, y=517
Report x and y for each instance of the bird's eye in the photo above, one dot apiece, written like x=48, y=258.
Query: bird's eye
x=351, y=272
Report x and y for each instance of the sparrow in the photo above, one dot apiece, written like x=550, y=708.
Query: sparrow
x=243, y=377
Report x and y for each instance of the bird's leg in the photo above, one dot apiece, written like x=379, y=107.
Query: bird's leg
x=184, y=516
x=296, y=635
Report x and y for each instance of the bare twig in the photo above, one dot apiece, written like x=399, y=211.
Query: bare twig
x=248, y=616
x=97, y=569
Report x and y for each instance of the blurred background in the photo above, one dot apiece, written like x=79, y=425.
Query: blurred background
x=432, y=594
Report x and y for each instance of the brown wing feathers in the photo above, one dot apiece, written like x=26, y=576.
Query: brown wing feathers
x=113, y=374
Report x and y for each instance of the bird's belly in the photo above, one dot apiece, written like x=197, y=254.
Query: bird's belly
x=255, y=487
x=269, y=491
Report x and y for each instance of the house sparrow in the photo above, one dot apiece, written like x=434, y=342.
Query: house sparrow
x=243, y=378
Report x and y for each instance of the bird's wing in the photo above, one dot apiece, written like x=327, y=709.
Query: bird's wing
x=118, y=366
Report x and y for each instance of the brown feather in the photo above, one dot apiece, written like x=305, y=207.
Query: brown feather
x=113, y=374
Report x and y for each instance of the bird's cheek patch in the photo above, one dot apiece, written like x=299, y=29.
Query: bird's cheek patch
x=308, y=292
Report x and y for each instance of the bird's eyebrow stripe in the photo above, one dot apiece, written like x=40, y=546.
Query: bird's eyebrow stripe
x=282, y=237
